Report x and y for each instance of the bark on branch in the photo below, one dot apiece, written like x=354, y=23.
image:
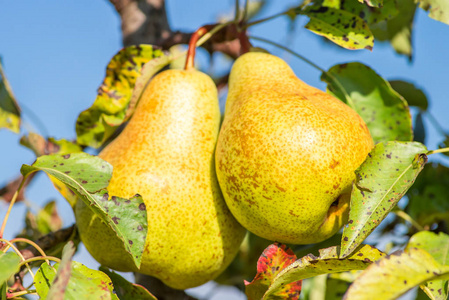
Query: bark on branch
x=49, y=241
x=145, y=22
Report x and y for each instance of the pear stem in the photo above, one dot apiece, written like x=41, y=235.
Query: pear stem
x=442, y=150
x=345, y=94
x=190, y=60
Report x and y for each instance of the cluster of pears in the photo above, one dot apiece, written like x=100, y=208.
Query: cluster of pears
x=281, y=166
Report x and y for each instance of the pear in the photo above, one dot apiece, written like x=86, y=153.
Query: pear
x=166, y=154
x=287, y=152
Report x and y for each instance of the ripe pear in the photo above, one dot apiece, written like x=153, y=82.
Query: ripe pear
x=287, y=152
x=166, y=154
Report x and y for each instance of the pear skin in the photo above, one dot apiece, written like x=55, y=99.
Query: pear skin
x=166, y=154
x=287, y=153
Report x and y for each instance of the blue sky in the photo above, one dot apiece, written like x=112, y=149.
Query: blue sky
x=55, y=53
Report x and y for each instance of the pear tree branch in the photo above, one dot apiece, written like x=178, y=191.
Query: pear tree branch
x=145, y=22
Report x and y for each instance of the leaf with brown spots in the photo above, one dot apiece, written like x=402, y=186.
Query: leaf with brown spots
x=83, y=282
x=401, y=271
x=387, y=173
x=73, y=170
x=128, y=219
x=384, y=111
x=126, y=290
x=9, y=109
x=96, y=124
x=438, y=9
x=371, y=15
x=328, y=262
x=88, y=176
x=339, y=26
x=41, y=146
x=436, y=245
x=273, y=260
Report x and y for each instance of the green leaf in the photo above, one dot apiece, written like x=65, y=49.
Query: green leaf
x=9, y=263
x=9, y=109
x=341, y=27
x=373, y=3
x=398, y=30
x=324, y=287
x=395, y=274
x=436, y=245
x=273, y=260
x=40, y=146
x=96, y=124
x=3, y=291
x=331, y=3
x=438, y=9
x=48, y=219
x=428, y=196
x=127, y=217
x=371, y=15
x=328, y=262
x=384, y=111
x=59, y=284
x=413, y=95
x=87, y=176
x=335, y=289
x=126, y=290
x=81, y=171
x=381, y=181
x=83, y=281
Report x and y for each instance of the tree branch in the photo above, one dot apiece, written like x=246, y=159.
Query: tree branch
x=145, y=22
x=49, y=241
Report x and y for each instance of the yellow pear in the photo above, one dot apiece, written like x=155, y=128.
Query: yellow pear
x=287, y=152
x=166, y=154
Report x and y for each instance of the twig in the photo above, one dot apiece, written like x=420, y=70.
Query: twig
x=48, y=241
